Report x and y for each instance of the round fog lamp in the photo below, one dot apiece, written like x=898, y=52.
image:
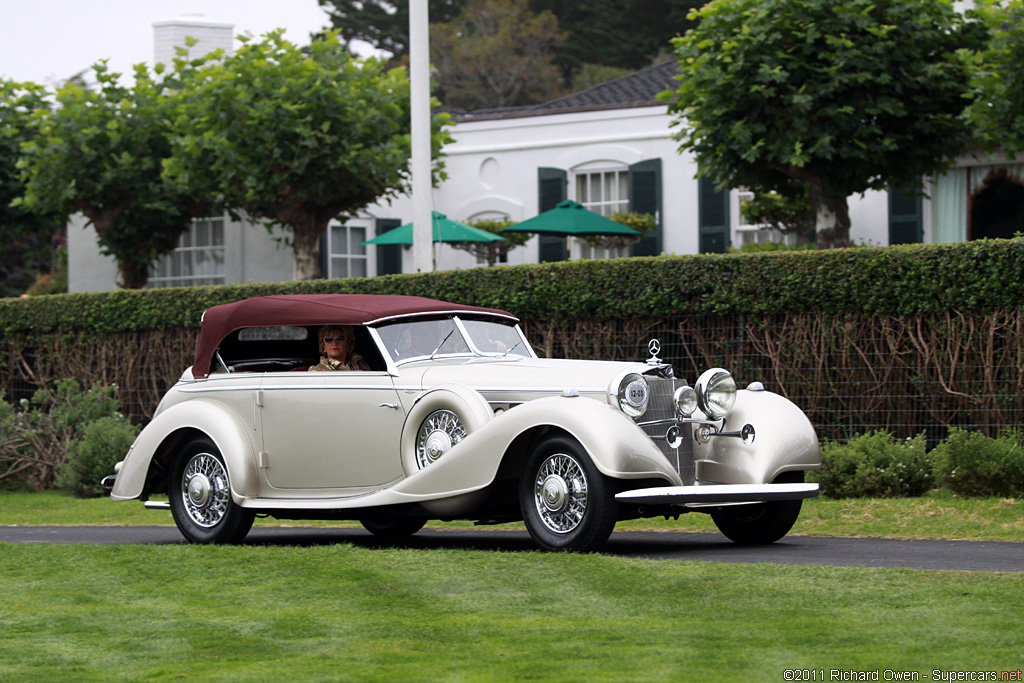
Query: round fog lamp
x=716, y=393
x=685, y=400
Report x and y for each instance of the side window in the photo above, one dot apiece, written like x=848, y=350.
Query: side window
x=346, y=255
x=604, y=191
x=197, y=260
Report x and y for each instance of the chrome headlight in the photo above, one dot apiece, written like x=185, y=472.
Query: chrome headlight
x=716, y=393
x=633, y=394
x=685, y=400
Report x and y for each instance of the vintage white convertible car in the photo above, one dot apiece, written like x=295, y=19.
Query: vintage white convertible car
x=456, y=418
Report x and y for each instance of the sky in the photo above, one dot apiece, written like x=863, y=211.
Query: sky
x=48, y=41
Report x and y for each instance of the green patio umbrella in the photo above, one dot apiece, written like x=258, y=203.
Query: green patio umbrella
x=445, y=230
x=572, y=219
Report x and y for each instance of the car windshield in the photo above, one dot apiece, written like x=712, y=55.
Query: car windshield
x=491, y=337
x=426, y=338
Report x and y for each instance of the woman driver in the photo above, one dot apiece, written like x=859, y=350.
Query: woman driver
x=336, y=345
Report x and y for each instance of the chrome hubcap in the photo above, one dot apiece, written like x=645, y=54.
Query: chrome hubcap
x=439, y=432
x=199, y=490
x=205, y=490
x=560, y=493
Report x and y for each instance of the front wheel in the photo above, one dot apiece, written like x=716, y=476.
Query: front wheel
x=760, y=523
x=200, y=497
x=566, y=502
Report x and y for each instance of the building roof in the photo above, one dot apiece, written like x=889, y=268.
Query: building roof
x=639, y=89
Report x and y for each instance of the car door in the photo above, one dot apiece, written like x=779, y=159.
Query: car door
x=330, y=430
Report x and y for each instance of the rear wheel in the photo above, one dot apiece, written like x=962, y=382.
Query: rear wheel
x=393, y=527
x=566, y=502
x=760, y=523
x=200, y=496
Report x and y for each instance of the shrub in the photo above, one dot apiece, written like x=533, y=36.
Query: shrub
x=875, y=465
x=972, y=464
x=37, y=434
x=103, y=444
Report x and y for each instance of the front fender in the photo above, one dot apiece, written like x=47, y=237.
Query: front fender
x=211, y=418
x=784, y=441
x=618, y=447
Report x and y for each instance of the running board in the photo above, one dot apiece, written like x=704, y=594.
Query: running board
x=156, y=505
x=700, y=495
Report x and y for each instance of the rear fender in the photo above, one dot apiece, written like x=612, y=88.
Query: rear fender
x=210, y=418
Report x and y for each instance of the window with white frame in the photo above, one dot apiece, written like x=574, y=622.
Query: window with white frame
x=197, y=260
x=603, y=189
x=749, y=233
x=346, y=254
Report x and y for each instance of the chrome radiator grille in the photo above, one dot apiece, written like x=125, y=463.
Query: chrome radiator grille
x=657, y=420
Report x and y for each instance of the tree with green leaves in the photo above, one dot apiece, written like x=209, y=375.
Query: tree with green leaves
x=297, y=136
x=842, y=96
x=101, y=152
x=492, y=251
x=627, y=34
x=496, y=53
x=998, y=109
x=27, y=237
x=383, y=24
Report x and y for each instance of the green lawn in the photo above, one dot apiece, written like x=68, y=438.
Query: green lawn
x=167, y=613
x=937, y=516
x=340, y=612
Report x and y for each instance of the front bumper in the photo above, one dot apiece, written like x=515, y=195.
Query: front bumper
x=717, y=494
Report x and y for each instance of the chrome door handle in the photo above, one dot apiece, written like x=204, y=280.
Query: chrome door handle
x=388, y=405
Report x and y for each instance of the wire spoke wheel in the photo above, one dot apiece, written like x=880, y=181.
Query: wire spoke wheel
x=200, y=496
x=437, y=435
x=560, y=493
x=205, y=491
x=566, y=502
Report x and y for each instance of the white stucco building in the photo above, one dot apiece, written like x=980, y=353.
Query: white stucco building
x=610, y=148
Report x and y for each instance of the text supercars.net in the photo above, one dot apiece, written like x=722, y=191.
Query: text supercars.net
x=898, y=675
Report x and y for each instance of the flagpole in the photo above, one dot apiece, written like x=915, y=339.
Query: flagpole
x=419, y=77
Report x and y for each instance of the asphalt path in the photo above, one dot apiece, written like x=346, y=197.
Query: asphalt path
x=814, y=550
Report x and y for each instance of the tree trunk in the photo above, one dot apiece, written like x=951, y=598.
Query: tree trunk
x=132, y=275
x=832, y=219
x=306, y=232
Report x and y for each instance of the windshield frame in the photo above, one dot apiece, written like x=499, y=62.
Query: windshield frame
x=524, y=350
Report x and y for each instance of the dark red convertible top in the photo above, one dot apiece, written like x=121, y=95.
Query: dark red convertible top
x=315, y=309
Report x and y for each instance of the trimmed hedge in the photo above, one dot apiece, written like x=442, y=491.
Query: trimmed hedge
x=981, y=276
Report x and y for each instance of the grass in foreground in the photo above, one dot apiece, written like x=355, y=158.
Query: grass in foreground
x=101, y=613
x=936, y=516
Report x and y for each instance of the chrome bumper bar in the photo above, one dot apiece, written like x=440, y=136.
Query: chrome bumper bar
x=730, y=494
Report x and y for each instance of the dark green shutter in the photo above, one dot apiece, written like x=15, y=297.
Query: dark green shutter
x=323, y=258
x=713, y=218
x=551, y=187
x=389, y=257
x=645, y=197
x=905, y=224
